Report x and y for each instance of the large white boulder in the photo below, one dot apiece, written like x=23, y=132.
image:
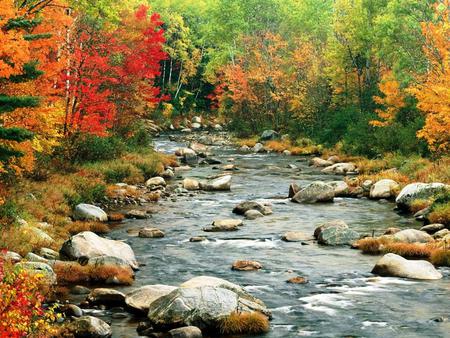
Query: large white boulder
x=89, y=212
x=415, y=191
x=141, y=298
x=340, y=169
x=219, y=184
x=385, y=188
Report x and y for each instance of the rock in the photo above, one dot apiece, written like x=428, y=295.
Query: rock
x=37, y=234
x=38, y=268
x=137, y=214
x=198, y=147
x=197, y=239
x=196, y=119
x=150, y=233
x=246, y=265
x=331, y=224
x=253, y=214
x=287, y=153
x=109, y=261
x=415, y=191
x=186, y=130
x=244, y=149
x=10, y=256
x=296, y=236
x=367, y=185
x=356, y=192
x=196, y=125
x=88, y=212
x=89, y=327
x=340, y=169
x=155, y=182
x=333, y=159
x=71, y=310
x=31, y=257
x=168, y=174
x=384, y=189
x=243, y=207
x=268, y=135
x=184, y=151
x=391, y=231
x=141, y=298
x=315, y=192
x=432, y=228
x=412, y=236
x=337, y=236
x=219, y=184
x=297, y=280
x=80, y=290
x=224, y=225
x=422, y=214
x=258, y=148
x=212, y=161
x=186, y=332
x=441, y=234
x=229, y=167
x=318, y=162
x=190, y=159
x=48, y=253
x=202, y=306
x=293, y=189
x=89, y=245
x=191, y=184
x=392, y=265
x=218, y=127
x=105, y=296
x=341, y=188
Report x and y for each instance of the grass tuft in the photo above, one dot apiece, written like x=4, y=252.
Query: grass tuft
x=244, y=323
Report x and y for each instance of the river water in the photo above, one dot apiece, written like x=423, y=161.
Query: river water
x=342, y=298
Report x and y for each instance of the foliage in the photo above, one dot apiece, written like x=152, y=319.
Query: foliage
x=244, y=323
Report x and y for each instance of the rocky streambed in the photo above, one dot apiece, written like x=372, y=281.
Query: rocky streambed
x=331, y=291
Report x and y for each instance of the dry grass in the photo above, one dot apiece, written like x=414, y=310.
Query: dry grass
x=371, y=245
x=440, y=257
x=244, y=323
x=418, y=205
x=116, y=217
x=278, y=146
x=13, y=238
x=440, y=214
x=73, y=272
x=249, y=142
x=79, y=226
x=409, y=250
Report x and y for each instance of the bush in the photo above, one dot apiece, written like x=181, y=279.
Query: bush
x=141, y=138
x=90, y=148
x=8, y=212
x=87, y=190
x=440, y=209
x=244, y=323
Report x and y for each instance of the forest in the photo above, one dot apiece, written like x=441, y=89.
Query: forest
x=88, y=87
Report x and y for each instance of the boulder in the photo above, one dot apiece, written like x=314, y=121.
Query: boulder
x=244, y=148
x=156, y=182
x=391, y=231
x=189, y=159
x=218, y=127
x=268, y=135
x=287, y=153
x=333, y=159
x=229, y=222
x=297, y=280
x=329, y=224
x=198, y=147
x=38, y=268
x=223, y=225
x=203, y=307
x=296, y=236
x=243, y=207
x=415, y=191
x=258, y=148
x=184, y=151
x=219, y=184
x=341, y=188
x=392, y=265
x=367, y=185
x=412, y=236
x=318, y=162
x=246, y=265
x=315, y=192
x=48, y=253
x=168, y=174
x=340, y=169
x=186, y=332
x=71, y=310
x=293, y=189
x=253, y=214
x=337, y=236
x=80, y=290
x=105, y=296
x=191, y=184
x=150, y=233
x=432, y=228
x=196, y=125
x=384, y=189
x=137, y=214
x=89, y=245
x=10, y=256
x=89, y=212
x=88, y=326
x=141, y=298
x=196, y=239
x=441, y=234
x=31, y=257
x=196, y=119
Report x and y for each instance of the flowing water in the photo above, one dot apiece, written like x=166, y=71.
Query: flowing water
x=342, y=297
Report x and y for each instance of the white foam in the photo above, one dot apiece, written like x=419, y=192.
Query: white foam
x=258, y=288
x=368, y=324
x=283, y=309
x=245, y=243
x=307, y=333
x=326, y=302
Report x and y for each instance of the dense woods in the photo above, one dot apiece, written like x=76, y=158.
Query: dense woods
x=84, y=83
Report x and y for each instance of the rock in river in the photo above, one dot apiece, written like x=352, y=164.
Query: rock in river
x=141, y=298
x=415, y=191
x=246, y=265
x=315, y=192
x=191, y=184
x=186, y=332
x=243, y=207
x=384, y=189
x=412, y=236
x=296, y=236
x=155, y=182
x=89, y=212
x=106, y=296
x=392, y=265
x=224, y=225
x=151, y=233
x=253, y=214
x=432, y=228
x=340, y=169
x=90, y=327
x=219, y=184
x=87, y=244
x=335, y=233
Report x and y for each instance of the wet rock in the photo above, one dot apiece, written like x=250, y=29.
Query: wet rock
x=71, y=310
x=219, y=184
x=79, y=290
x=315, y=192
x=243, y=207
x=150, y=233
x=258, y=148
x=89, y=245
x=184, y=151
x=296, y=236
x=105, y=296
x=89, y=212
x=318, y=162
x=422, y=214
x=141, y=298
x=155, y=182
x=357, y=192
x=191, y=184
x=197, y=239
x=412, y=236
x=218, y=127
x=88, y=326
x=229, y=167
x=246, y=265
x=340, y=169
x=392, y=265
x=202, y=306
x=341, y=188
x=224, y=225
x=297, y=280
x=384, y=189
x=10, y=256
x=137, y=214
x=38, y=268
x=415, y=191
x=48, y=253
x=198, y=147
x=186, y=332
x=337, y=236
x=268, y=135
x=253, y=214
x=441, y=234
x=391, y=231
x=186, y=130
x=190, y=159
x=293, y=189
x=432, y=228
x=329, y=224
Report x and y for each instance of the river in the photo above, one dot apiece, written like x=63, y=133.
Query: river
x=342, y=298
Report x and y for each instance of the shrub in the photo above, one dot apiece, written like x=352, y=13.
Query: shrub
x=141, y=138
x=440, y=209
x=90, y=148
x=86, y=190
x=8, y=212
x=244, y=323
x=118, y=172
x=419, y=204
